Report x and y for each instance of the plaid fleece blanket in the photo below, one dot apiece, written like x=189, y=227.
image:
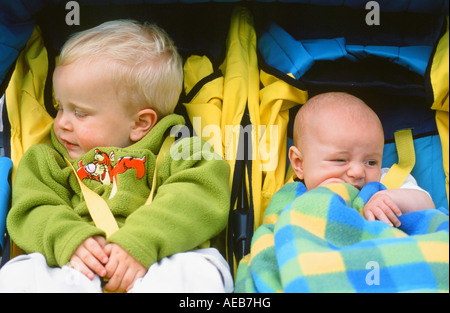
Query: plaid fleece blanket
x=318, y=241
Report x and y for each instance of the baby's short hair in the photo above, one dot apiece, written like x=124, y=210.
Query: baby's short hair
x=142, y=57
x=354, y=108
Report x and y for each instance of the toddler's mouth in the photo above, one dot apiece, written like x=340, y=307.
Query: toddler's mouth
x=69, y=145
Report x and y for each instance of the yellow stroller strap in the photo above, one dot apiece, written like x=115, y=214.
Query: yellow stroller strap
x=406, y=160
x=97, y=206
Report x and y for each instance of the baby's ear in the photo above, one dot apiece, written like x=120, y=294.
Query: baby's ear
x=144, y=121
x=296, y=158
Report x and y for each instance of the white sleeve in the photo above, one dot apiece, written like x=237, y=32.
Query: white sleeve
x=409, y=183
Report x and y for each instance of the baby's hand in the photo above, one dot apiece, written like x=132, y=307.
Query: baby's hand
x=90, y=257
x=381, y=207
x=122, y=269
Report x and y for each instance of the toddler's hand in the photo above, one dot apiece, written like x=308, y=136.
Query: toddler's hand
x=90, y=257
x=381, y=207
x=122, y=269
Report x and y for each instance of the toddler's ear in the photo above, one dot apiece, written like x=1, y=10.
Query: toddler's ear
x=144, y=121
x=296, y=158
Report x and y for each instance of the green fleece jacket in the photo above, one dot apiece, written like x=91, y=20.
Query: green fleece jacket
x=190, y=205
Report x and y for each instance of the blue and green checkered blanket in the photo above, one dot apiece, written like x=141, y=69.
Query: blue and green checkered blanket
x=318, y=241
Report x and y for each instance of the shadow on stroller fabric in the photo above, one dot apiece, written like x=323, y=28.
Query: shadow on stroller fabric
x=249, y=66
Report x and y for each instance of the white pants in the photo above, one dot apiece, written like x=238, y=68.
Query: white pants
x=199, y=271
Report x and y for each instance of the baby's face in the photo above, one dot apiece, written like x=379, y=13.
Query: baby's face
x=349, y=152
x=90, y=114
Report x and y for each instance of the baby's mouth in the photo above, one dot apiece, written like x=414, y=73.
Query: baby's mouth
x=338, y=180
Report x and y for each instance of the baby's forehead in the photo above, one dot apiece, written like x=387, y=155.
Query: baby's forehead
x=335, y=104
x=335, y=110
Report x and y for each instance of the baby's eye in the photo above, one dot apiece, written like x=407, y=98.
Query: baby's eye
x=371, y=163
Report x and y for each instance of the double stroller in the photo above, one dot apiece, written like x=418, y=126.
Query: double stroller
x=249, y=66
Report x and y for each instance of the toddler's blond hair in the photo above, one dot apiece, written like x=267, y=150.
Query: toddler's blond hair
x=143, y=59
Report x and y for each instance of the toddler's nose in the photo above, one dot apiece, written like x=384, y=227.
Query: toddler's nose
x=63, y=122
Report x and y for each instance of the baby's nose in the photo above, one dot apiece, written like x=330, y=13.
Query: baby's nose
x=357, y=174
x=356, y=170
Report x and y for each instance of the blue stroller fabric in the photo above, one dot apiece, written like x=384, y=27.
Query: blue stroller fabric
x=5, y=167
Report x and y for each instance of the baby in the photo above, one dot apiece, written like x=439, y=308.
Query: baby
x=339, y=139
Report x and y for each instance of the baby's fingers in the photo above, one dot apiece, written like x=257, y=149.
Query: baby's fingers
x=381, y=216
x=369, y=215
x=384, y=213
x=392, y=207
